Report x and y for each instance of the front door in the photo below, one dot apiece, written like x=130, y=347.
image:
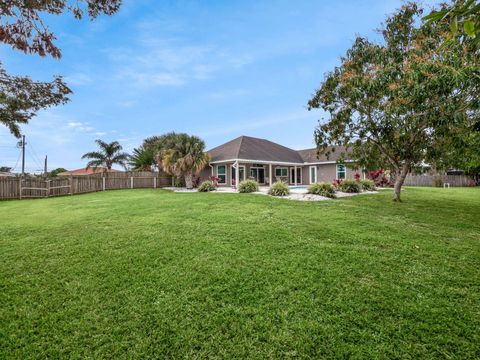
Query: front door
x=299, y=175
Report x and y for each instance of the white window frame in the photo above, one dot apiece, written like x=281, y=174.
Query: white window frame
x=281, y=168
x=244, y=174
x=292, y=169
x=310, y=174
x=258, y=166
x=218, y=174
x=338, y=172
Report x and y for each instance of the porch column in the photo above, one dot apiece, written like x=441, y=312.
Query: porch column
x=237, y=174
x=270, y=175
x=295, y=175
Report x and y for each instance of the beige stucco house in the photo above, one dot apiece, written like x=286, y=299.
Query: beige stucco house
x=267, y=162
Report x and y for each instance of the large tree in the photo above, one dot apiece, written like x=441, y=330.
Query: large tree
x=23, y=27
x=107, y=155
x=183, y=155
x=463, y=17
x=393, y=102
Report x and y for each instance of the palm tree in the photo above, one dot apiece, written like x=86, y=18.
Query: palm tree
x=185, y=158
x=108, y=154
x=142, y=159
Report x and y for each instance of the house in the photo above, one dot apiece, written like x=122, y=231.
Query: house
x=268, y=162
x=89, y=171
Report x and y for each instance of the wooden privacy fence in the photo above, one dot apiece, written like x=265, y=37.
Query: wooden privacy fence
x=429, y=180
x=31, y=187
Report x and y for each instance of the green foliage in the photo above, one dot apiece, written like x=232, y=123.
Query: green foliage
x=107, y=155
x=177, y=181
x=463, y=18
x=367, y=185
x=142, y=159
x=248, y=186
x=56, y=171
x=279, y=188
x=322, y=189
x=183, y=155
x=394, y=101
x=350, y=186
x=207, y=186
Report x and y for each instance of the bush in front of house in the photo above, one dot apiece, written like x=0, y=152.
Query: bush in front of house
x=350, y=186
x=207, y=186
x=368, y=185
x=279, y=188
x=247, y=186
x=322, y=189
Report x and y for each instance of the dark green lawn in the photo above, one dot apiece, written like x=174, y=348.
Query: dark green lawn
x=148, y=273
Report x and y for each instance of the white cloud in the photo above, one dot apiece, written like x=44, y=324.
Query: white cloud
x=78, y=79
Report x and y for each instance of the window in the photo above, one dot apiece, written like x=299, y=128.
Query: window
x=222, y=174
x=279, y=172
x=313, y=174
x=341, y=171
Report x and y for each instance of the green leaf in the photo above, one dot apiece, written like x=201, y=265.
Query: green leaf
x=454, y=26
x=469, y=28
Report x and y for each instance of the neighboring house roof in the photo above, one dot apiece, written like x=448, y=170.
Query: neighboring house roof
x=6, y=174
x=250, y=148
x=310, y=155
x=89, y=171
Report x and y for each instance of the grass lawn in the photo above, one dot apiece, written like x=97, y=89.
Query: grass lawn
x=148, y=273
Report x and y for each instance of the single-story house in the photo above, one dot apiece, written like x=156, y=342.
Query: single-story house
x=268, y=162
x=89, y=171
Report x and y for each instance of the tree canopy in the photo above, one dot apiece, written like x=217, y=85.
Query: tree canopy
x=463, y=17
x=23, y=27
x=182, y=155
x=395, y=101
x=107, y=155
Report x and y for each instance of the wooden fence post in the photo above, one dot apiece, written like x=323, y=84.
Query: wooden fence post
x=155, y=182
x=70, y=182
x=131, y=182
x=20, y=188
x=103, y=183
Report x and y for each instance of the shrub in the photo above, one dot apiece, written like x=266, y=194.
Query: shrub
x=207, y=186
x=248, y=186
x=322, y=189
x=336, y=183
x=350, y=186
x=177, y=181
x=279, y=188
x=367, y=185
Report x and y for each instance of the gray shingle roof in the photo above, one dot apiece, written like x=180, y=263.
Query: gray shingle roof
x=310, y=155
x=250, y=148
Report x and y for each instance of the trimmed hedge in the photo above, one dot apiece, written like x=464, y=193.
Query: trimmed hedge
x=247, y=186
x=322, y=189
x=279, y=189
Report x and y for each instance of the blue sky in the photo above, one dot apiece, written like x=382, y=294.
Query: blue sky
x=216, y=69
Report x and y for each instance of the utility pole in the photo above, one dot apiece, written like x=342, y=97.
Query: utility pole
x=45, y=168
x=23, y=155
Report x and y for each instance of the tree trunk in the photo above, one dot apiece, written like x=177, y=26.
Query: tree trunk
x=399, y=180
x=189, y=180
